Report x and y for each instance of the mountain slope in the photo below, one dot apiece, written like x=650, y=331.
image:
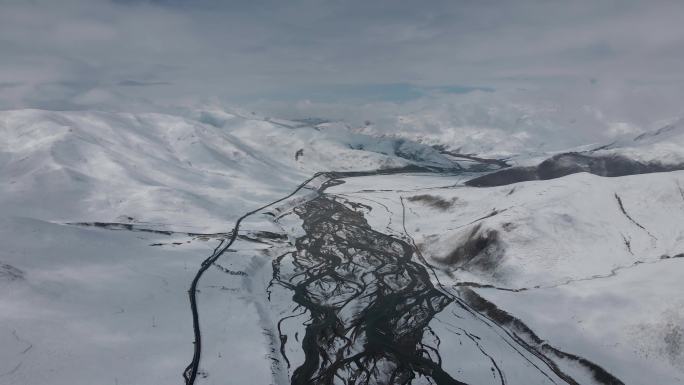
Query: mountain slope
x=560, y=255
x=95, y=166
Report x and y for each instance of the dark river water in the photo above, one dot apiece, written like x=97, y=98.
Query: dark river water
x=369, y=310
x=371, y=304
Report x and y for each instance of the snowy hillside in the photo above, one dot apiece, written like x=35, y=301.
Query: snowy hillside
x=571, y=256
x=540, y=273
x=169, y=170
x=77, y=296
x=664, y=145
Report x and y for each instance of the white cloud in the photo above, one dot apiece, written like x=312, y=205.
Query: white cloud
x=620, y=57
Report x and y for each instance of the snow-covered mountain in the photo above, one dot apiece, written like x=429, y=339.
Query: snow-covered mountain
x=75, y=297
x=107, y=217
x=591, y=261
x=96, y=166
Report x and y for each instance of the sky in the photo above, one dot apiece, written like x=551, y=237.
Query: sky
x=616, y=62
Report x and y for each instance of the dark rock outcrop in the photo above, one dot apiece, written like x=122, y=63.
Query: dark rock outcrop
x=571, y=163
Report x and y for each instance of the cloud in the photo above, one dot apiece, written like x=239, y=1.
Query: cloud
x=136, y=83
x=10, y=84
x=620, y=57
x=371, y=92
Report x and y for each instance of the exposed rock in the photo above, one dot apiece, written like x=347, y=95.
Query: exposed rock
x=433, y=201
x=480, y=250
x=571, y=163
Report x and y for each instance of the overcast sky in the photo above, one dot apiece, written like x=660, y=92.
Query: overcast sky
x=622, y=58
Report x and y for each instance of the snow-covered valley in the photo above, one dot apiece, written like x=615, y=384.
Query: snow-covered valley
x=388, y=267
